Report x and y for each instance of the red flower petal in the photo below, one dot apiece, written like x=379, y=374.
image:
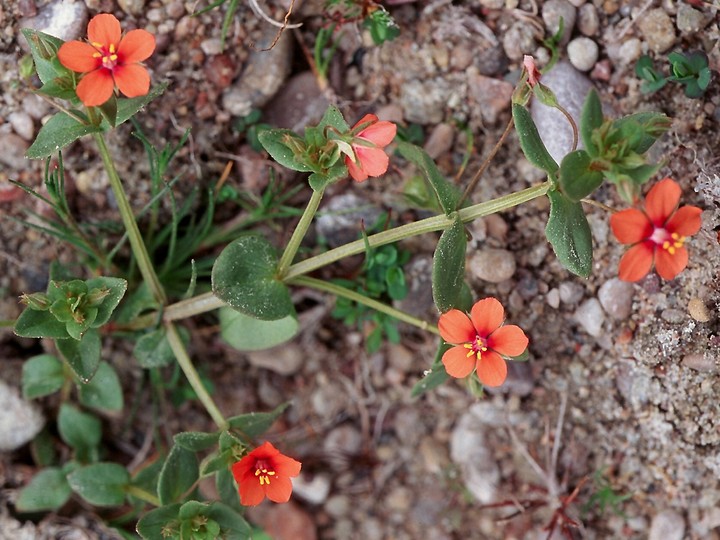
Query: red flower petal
x=279, y=489
x=104, y=29
x=367, y=119
x=455, y=327
x=636, y=262
x=630, y=226
x=355, y=171
x=509, y=340
x=251, y=492
x=668, y=266
x=491, y=369
x=285, y=466
x=487, y=315
x=136, y=46
x=457, y=363
x=132, y=80
x=685, y=222
x=95, y=88
x=78, y=56
x=380, y=133
x=662, y=200
x=374, y=161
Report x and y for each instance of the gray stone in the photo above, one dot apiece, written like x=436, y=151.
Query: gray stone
x=337, y=505
x=20, y=420
x=425, y=101
x=491, y=95
x=519, y=40
x=629, y=51
x=553, y=298
x=667, y=525
x=13, y=151
x=341, y=219
x=570, y=86
x=616, y=298
x=312, y=488
x=700, y=362
x=553, y=11
x=583, y=53
x=590, y=315
x=132, y=7
x=298, y=103
x=440, y=140
x=34, y=106
x=263, y=76
x=688, y=19
x=493, y=265
x=469, y=450
x=588, y=21
x=22, y=124
x=342, y=442
x=492, y=4
x=419, y=300
x=570, y=292
x=283, y=359
x=63, y=19
x=657, y=29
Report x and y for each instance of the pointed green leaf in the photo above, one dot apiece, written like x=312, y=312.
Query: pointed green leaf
x=641, y=130
x=577, y=179
x=333, y=118
x=104, y=391
x=42, y=375
x=530, y=141
x=153, y=350
x=276, y=143
x=449, y=266
x=249, y=334
x=447, y=194
x=101, y=484
x=79, y=430
x=38, y=324
x=126, y=108
x=160, y=523
x=117, y=288
x=48, y=490
x=255, y=424
x=44, y=48
x=591, y=119
x=233, y=525
x=83, y=356
x=178, y=475
x=568, y=232
x=244, y=278
x=227, y=489
x=196, y=441
x=57, y=133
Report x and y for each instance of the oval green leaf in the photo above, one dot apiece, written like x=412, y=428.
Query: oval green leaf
x=82, y=356
x=101, y=484
x=249, y=334
x=178, y=474
x=42, y=375
x=530, y=141
x=569, y=234
x=449, y=267
x=104, y=391
x=48, y=490
x=244, y=278
x=577, y=180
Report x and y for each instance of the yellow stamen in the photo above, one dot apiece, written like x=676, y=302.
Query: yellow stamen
x=96, y=44
x=113, y=57
x=112, y=48
x=672, y=247
x=264, y=476
x=96, y=55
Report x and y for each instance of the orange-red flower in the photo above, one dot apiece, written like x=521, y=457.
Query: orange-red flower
x=367, y=144
x=479, y=341
x=109, y=60
x=265, y=472
x=657, y=234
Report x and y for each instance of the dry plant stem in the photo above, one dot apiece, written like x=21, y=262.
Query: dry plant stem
x=136, y=241
x=573, y=125
x=183, y=358
x=599, y=205
x=486, y=163
x=143, y=495
x=337, y=290
x=208, y=302
x=299, y=233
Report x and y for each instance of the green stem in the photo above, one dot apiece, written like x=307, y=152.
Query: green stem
x=299, y=233
x=178, y=348
x=136, y=241
x=208, y=302
x=337, y=290
x=143, y=495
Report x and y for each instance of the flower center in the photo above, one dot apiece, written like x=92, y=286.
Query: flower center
x=670, y=242
x=108, y=54
x=477, y=347
x=263, y=472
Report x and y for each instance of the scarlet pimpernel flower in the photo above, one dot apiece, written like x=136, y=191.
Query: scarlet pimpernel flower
x=265, y=472
x=370, y=136
x=480, y=342
x=109, y=60
x=657, y=233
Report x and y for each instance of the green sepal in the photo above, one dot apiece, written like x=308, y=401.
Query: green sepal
x=243, y=277
x=319, y=181
x=160, y=523
x=435, y=376
x=255, y=424
x=577, y=179
x=117, y=288
x=333, y=118
x=44, y=49
x=101, y=484
x=449, y=266
x=569, y=234
x=447, y=194
x=280, y=143
x=591, y=118
x=109, y=110
x=530, y=141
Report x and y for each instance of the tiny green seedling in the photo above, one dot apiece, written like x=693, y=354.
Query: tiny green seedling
x=689, y=69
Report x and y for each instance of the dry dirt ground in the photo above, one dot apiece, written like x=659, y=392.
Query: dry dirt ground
x=622, y=380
